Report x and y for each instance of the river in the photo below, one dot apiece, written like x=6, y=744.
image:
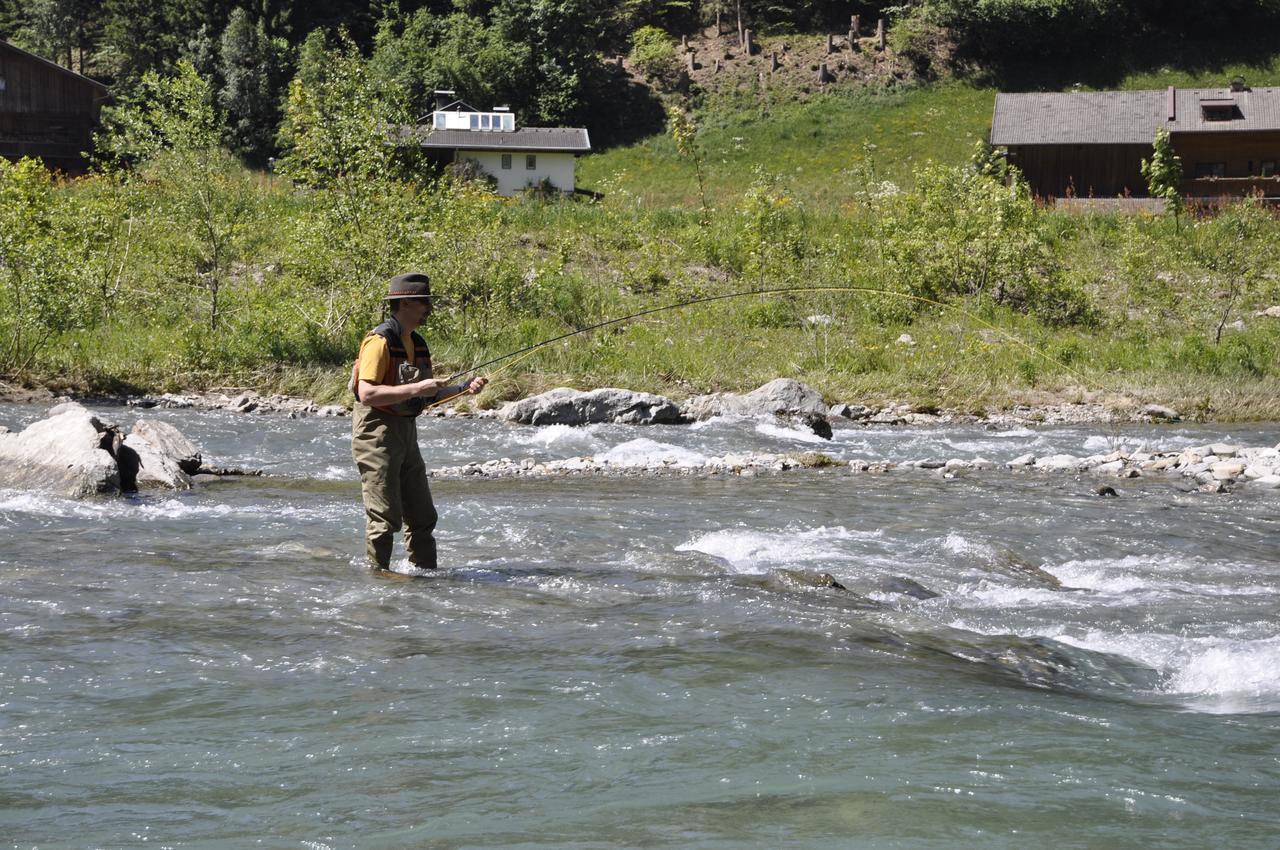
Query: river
x=646, y=662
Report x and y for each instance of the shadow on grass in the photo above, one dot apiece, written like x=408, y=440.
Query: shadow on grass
x=634, y=112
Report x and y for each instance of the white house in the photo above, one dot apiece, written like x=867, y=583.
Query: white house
x=517, y=158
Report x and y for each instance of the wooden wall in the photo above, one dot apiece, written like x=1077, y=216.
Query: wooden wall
x=1241, y=153
x=1099, y=171
x=46, y=112
x=1108, y=171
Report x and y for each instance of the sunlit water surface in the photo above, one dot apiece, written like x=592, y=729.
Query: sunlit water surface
x=640, y=662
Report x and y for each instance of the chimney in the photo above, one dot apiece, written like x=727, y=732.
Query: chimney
x=444, y=97
x=1171, y=104
x=1237, y=84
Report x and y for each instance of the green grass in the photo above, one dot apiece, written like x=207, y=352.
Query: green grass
x=816, y=143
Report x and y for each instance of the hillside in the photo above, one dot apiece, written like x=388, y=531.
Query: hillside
x=819, y=138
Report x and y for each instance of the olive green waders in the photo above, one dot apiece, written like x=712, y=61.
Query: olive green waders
x=393, y=481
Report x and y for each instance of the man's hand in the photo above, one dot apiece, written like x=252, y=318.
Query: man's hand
x=476, y=385
x=428, y=387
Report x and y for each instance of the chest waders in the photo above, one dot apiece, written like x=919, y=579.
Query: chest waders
x=393, y=477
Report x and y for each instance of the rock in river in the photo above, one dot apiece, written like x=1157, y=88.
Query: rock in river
x=566, y=406
x=70, y=453
x=74, y=453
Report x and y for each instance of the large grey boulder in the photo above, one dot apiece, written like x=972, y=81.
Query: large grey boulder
x=781, y=396
x=68, y=453
x=565, y=406
x=74, y=453
x=165, y=458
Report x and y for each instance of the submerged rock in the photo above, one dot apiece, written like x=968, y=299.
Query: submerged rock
x=907, y=587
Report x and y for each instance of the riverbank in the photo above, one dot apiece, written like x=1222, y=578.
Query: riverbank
x=1046, y=408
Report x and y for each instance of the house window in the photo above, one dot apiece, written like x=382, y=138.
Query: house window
x=1210, y=169
x=506, y=161
x=440, y=120
x=3, y=84
x=475, y=121
x=1268, y=168
x=1219, y=113
x=508, y=122
x=530, y=162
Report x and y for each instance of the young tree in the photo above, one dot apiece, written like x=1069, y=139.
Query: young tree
x=344, y=139
x=38, y=297
x=684, y=132
x=202, y=204
x=1164, y=173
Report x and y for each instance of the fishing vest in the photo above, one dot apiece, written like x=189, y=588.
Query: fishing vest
x=400, y=370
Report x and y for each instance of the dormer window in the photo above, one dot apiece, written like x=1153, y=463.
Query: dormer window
x=499, y=120
x=1219, y=108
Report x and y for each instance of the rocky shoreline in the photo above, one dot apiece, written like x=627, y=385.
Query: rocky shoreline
x=75, y=452
x=1215, y=468
x=569, y=406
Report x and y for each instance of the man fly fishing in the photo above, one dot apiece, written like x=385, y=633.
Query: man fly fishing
x=392, y=383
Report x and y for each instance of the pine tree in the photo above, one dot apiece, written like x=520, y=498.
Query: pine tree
x=249, y=63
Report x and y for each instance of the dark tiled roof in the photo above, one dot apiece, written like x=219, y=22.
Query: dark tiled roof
x=560, y=139
x=1124, y=117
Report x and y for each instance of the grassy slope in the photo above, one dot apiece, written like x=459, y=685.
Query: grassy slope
x=813, y=144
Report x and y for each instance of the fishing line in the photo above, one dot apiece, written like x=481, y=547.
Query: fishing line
x=527, y=351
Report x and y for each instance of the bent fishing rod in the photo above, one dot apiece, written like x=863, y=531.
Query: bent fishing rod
x=781, y=290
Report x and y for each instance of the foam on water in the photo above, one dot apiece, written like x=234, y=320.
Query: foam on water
x=645, y=452
x=563, y=438
x=149, y=508
x=958, y=544
x=1217, y=675
x=795, y=435
x=748, y=551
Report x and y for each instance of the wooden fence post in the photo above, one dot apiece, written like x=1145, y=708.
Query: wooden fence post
x=880, y=33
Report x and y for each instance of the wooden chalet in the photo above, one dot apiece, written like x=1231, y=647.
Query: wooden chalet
x=46, y=111
x=1091, y=144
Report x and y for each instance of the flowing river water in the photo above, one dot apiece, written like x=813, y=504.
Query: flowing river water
x=645, y=661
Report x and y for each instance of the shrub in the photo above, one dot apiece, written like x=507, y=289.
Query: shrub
x=654, y=53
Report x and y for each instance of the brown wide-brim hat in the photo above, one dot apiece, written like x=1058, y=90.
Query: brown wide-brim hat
x=411, y=285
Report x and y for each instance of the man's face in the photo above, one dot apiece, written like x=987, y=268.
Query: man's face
x=412, y=311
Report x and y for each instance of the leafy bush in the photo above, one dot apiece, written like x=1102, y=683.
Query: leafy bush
x=962, y=233
x=39, y=295
x=654, y=53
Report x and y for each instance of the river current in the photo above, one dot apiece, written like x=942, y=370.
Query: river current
x=646, y=662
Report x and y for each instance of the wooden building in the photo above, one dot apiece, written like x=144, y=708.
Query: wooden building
x=1091, y=144
x=46, y=111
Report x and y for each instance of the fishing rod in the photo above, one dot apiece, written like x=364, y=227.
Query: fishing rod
x=528, y=350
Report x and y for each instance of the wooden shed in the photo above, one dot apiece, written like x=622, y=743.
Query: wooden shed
x=46, y=111
x=1091, y=144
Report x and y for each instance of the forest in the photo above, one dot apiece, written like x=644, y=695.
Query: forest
x=245, y=207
